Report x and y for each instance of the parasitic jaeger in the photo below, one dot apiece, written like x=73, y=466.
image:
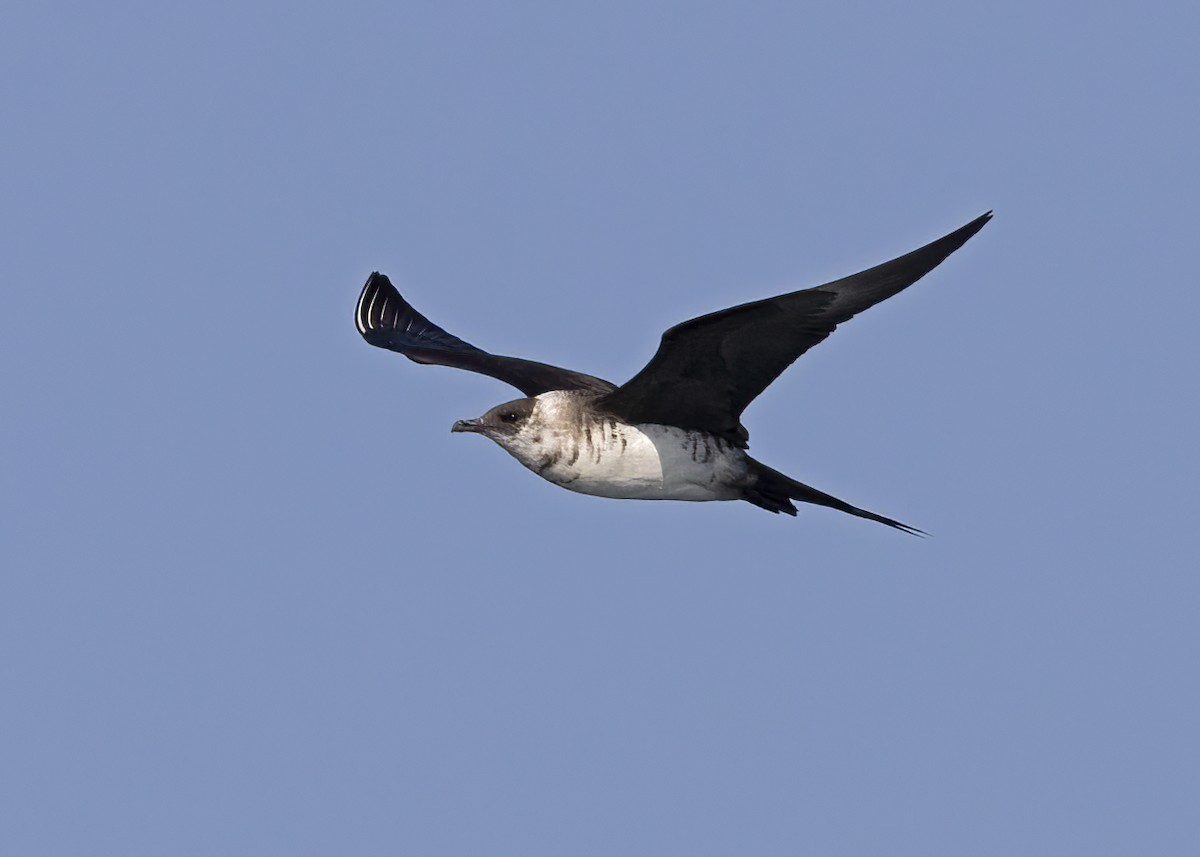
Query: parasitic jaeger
x=673, y=431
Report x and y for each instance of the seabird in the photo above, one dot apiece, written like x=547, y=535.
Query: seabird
x=672, y=431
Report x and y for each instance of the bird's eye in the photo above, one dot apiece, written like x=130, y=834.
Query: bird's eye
x=510, y=417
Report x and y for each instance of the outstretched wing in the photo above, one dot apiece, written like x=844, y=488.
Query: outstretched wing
x=386, y=320
x=707, y=370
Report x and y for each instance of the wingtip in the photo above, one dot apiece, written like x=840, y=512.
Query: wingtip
x=366, y=318
x=960, y=236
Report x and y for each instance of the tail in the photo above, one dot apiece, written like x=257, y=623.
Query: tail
x=773, y=491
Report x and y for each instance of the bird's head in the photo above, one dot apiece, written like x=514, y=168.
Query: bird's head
x=504, y=424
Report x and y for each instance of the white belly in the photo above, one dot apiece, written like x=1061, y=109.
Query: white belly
x=652, y=463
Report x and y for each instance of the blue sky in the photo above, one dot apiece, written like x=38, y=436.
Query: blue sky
x=256, y=599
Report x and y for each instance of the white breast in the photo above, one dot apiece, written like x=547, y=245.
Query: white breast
x=613, y=459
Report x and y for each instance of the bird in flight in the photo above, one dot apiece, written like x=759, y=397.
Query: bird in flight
x=673, y=431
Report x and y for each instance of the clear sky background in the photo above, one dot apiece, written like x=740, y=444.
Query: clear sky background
x=256, y=599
